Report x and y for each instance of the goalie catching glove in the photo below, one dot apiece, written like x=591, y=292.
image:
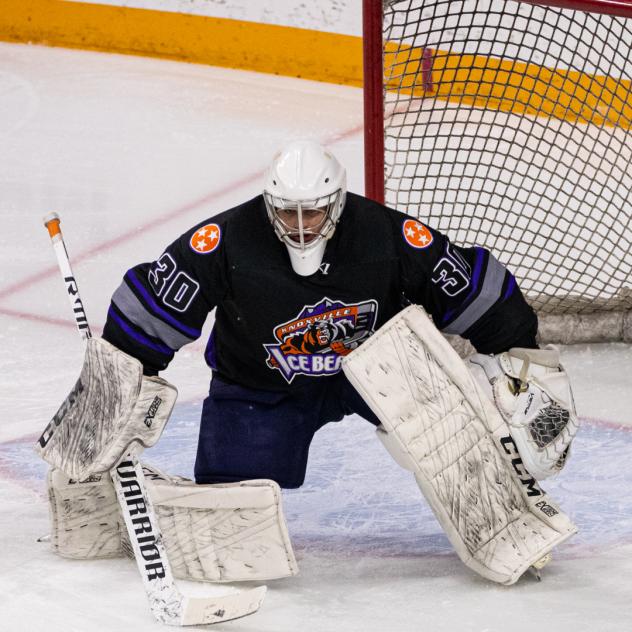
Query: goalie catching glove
x=533, y=394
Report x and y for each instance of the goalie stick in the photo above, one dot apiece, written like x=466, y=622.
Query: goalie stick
x=166, y=602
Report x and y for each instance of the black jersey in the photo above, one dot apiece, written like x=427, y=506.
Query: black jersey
x=275, y=329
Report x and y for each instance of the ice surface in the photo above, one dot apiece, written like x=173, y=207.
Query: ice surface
x=133, y=151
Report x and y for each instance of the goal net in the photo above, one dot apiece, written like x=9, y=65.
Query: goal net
x=506, y=124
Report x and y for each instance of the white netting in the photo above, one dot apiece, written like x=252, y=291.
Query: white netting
x=508, y=125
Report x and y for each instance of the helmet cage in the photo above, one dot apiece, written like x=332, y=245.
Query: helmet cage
x=331, y=205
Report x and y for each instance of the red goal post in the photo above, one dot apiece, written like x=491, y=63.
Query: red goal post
x=507, y=124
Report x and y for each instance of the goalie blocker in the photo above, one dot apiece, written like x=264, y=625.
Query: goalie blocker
x=437, y=422
x=112, y=408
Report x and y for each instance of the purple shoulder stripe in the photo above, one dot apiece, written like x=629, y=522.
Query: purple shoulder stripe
x=475, y=282
x=138, y=337
x=149, y=302
x=511, y=286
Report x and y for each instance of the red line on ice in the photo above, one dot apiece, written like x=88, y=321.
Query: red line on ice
x=59, y=322
x=604, y=423
x=155, y=222
x=124, y=237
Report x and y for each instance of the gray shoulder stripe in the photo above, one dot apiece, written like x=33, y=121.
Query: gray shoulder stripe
x=129, y=304
x=490, y=293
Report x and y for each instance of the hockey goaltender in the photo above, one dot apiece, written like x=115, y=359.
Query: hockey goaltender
x=326, y=304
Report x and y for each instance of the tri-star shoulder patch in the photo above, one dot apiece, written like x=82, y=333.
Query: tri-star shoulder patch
x=206, y=239
x=416, y=234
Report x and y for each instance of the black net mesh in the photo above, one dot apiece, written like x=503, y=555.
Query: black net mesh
x=508, y=125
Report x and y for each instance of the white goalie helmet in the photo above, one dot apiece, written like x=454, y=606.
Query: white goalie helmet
x=304, y=192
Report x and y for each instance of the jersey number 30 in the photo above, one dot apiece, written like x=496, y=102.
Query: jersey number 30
x=451, y=273
x=175, y=289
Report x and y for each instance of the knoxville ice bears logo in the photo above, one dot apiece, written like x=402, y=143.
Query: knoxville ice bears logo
x=315, y=342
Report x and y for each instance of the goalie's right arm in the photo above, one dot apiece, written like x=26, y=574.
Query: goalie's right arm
x=118, y=400
x=161, y=306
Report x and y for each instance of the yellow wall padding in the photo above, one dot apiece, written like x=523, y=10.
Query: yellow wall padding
x=511, y=86
x=476, y=80
x=219, y=42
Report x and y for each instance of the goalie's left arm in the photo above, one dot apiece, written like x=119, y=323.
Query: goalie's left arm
x=466, y=290
x=470, y=293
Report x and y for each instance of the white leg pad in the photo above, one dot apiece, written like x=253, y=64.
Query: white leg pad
x=224, y=532
x=438, y=423
x=86, y=521
x=216, y=533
